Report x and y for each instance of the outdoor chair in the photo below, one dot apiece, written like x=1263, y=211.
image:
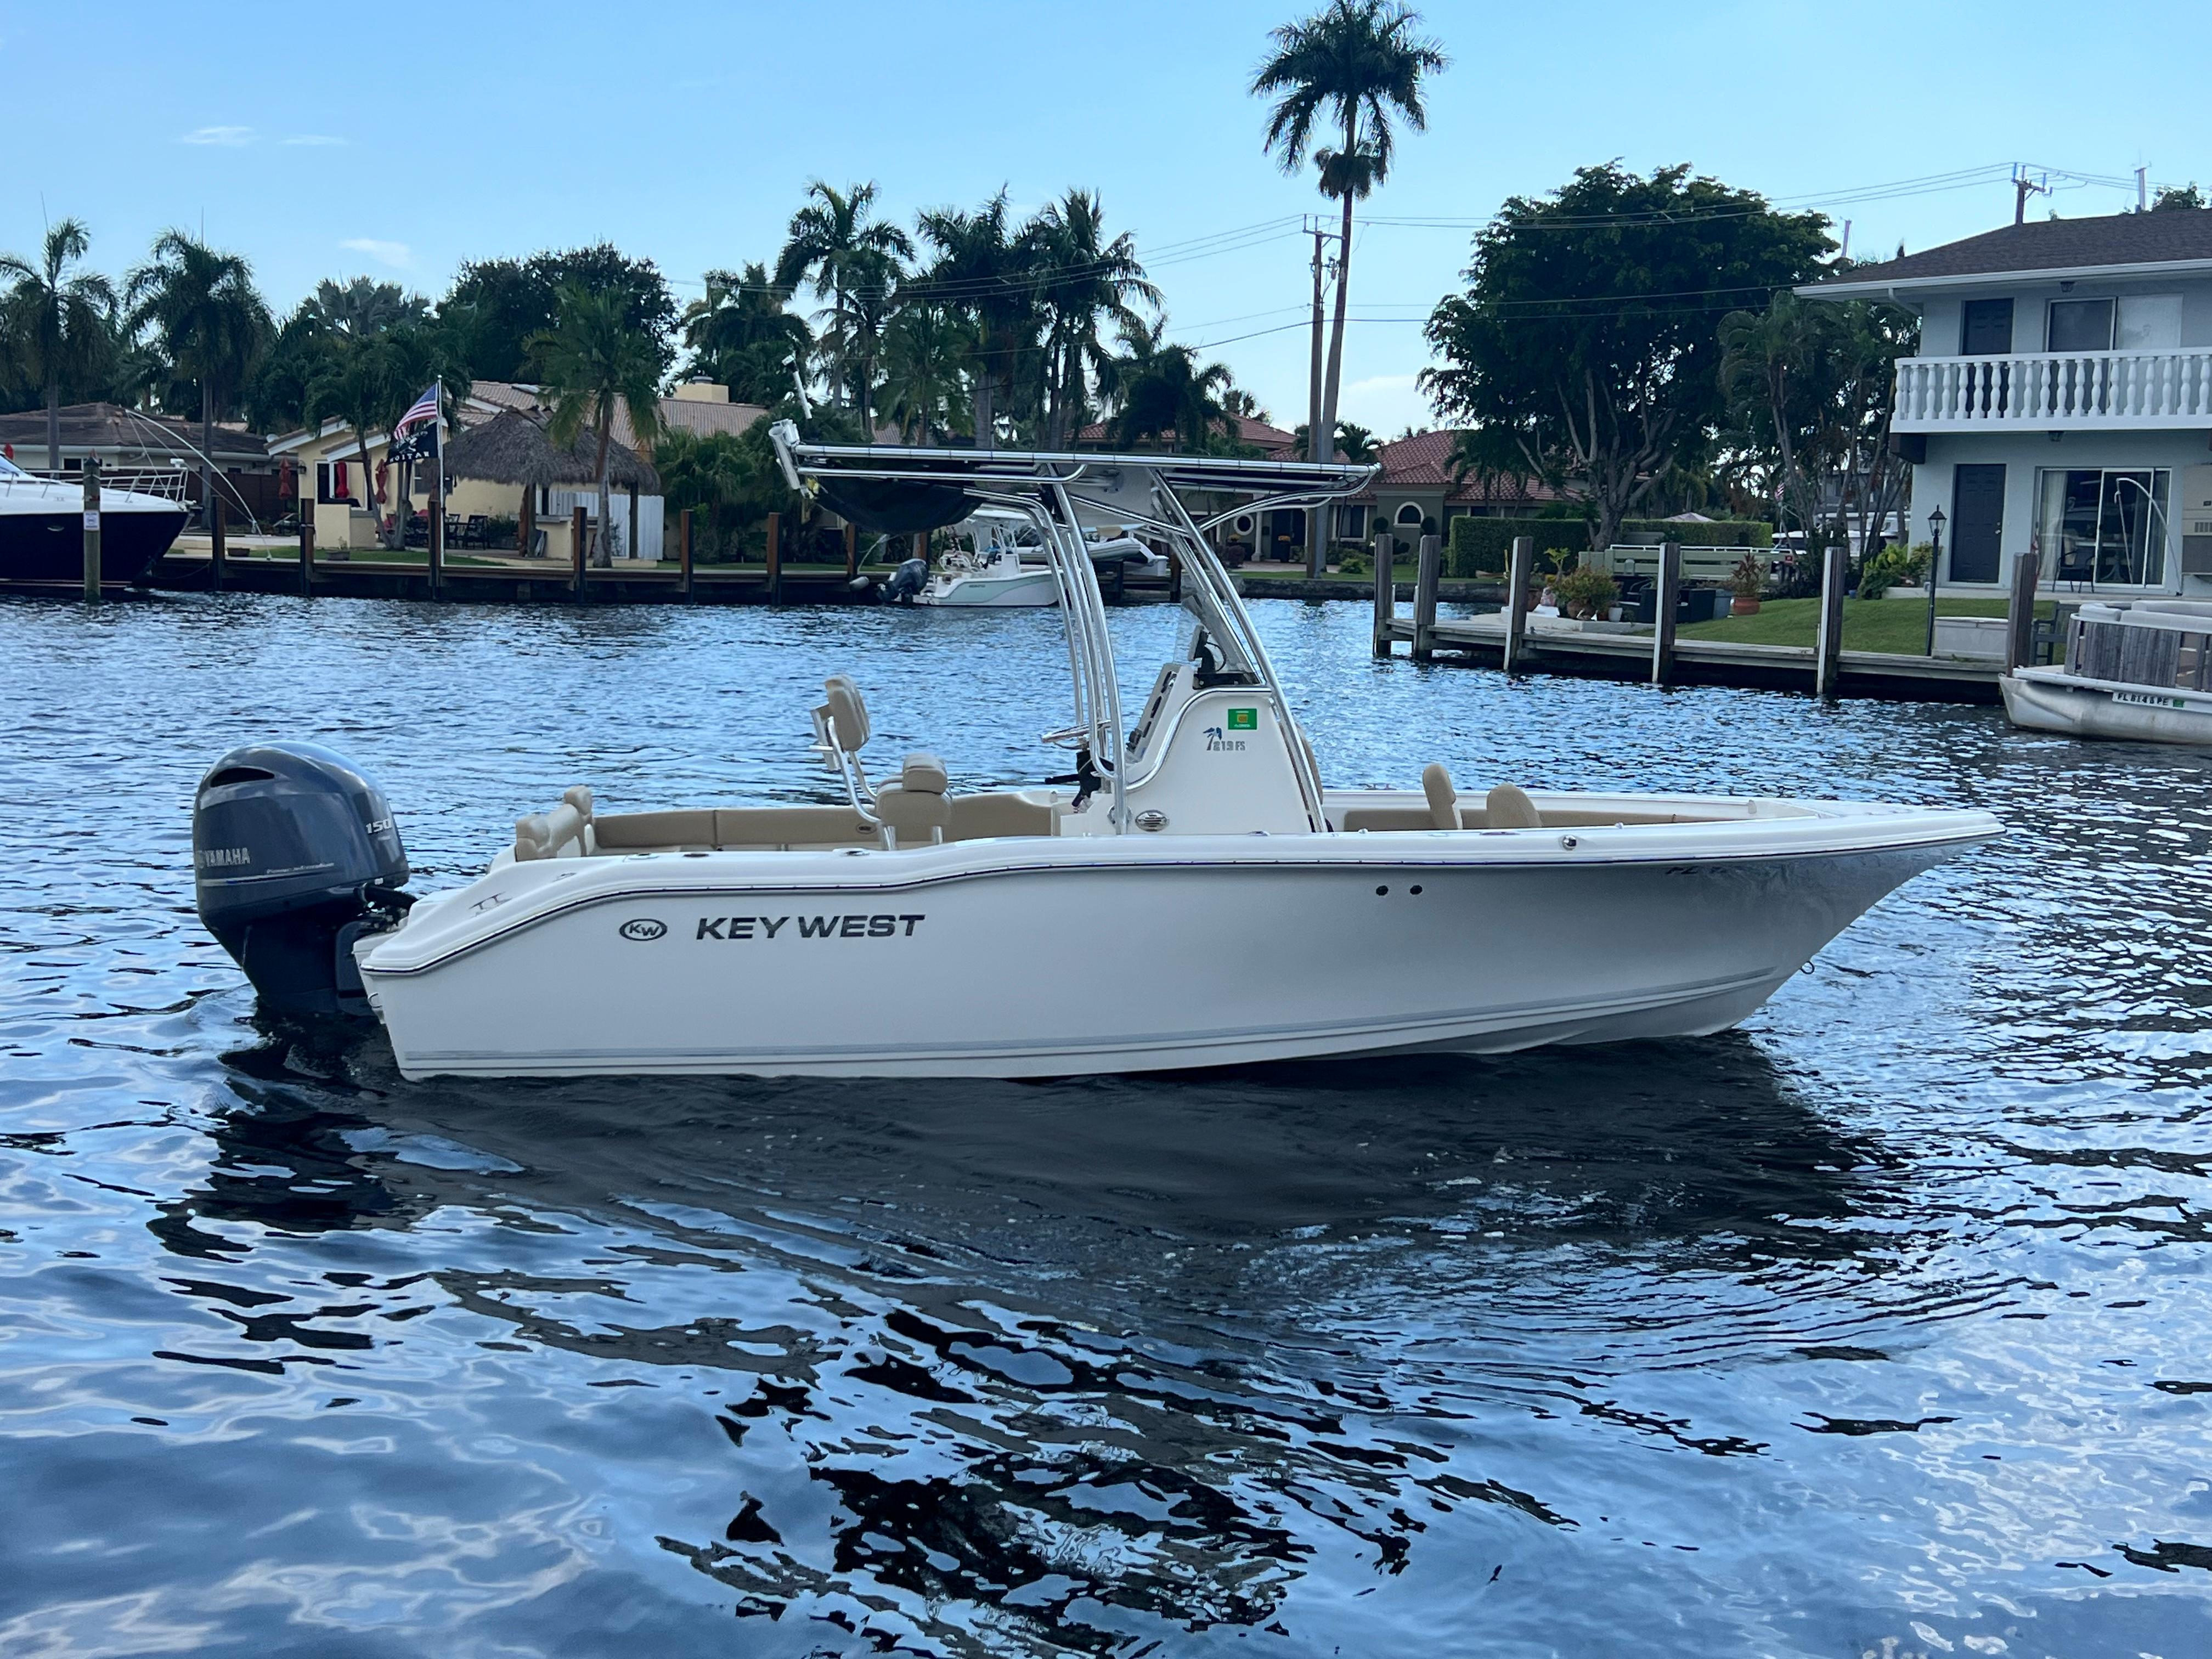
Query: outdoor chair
x=454, y=534
x=476, y=532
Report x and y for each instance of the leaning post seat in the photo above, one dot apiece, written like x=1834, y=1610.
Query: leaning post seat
x=914, y=812
x=565, y=832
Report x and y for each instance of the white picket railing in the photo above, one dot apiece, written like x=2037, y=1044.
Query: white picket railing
x=2056, y=391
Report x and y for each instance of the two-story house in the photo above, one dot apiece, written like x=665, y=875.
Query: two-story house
x=2061, y=400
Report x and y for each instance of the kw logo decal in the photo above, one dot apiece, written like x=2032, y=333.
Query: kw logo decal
x=642, y=929
x=755, y=927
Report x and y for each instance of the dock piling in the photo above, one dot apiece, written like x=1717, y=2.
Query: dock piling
x=1424, y=597
x=214, y=538
x=1828, y=634
x=92, y=529
x=433, y=544
x=774, y=555
x=576, y=555
x=1669, y=595
x=1519, y=569
x=684, y=552
x=2020, y=613
x=1386, y=593
x=307, y=551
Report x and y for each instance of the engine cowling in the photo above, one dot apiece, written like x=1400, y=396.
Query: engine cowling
x=294, y=856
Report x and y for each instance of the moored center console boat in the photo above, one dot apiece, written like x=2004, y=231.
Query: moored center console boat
x=1186, y=892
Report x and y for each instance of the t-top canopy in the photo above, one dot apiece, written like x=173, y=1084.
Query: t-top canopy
x=1018, y=472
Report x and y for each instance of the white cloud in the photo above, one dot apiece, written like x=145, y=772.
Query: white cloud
x=318, y=139
x=230, y=137
x=397, y=255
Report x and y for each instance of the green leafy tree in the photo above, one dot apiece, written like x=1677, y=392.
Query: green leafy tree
x=367, y=380
x=740, y=335
x=595, y=359
x=728, y=485
x=56, y=320
x=926, y=349
x=1588, y=341
x=1165, y=395
x=851, y=260
x=1086, y=281
x=2177, y=198
x=1352, y=70
x=210, y=322
x=986, y=268
x=496, y=308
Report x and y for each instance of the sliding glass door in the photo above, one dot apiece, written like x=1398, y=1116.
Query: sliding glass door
x=2103, y=527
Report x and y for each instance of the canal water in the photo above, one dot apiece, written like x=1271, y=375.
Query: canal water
x=1880, y=1326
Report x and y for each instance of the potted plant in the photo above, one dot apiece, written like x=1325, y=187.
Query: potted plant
x=1749, y=582
x=1586, y=592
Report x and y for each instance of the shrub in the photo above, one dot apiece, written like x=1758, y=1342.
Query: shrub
x=1586, y=591
x=1891, y=566
x=1351, y=564
x=1750, y=578
x=499, y=530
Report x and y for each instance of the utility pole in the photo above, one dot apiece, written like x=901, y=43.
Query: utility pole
x=1314, y=514
x=2022, y=188
x=2142, y=189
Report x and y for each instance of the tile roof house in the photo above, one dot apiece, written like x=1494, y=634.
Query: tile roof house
x=131, y=441
x=2061, y=400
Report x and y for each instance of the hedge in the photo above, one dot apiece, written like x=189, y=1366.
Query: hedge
x=1479, y=547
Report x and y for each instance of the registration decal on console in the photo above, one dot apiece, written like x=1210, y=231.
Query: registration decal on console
x=768, y=927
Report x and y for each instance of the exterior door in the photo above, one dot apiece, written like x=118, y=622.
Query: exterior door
x=1977, y=522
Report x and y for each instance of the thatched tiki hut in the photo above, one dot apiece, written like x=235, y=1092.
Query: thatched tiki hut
x=514, y=448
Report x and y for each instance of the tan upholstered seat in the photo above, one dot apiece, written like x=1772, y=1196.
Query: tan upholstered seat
x=1443, y=800
x=1507, y=807
x=915, y=810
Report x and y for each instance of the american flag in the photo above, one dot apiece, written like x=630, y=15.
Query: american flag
x=425, y=408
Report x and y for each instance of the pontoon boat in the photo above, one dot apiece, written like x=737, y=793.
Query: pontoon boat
x=2133, y=669
x=1188, y=892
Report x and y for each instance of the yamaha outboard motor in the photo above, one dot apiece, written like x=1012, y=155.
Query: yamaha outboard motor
x=294, y=856
x=905, y=582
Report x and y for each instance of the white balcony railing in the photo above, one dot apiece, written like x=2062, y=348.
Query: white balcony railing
x=2056, y=392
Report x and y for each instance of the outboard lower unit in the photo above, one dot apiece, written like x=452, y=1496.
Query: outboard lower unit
x=296, y=856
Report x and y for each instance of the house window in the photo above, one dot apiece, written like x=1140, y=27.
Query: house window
x=2103, y=527
x=1351, y=523
x=2079, y=325
x=1410, y=513
x=334, y=481
x=2149, y=322
x=1985, y=328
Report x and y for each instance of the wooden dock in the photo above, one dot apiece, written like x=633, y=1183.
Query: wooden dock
x=1512, y=639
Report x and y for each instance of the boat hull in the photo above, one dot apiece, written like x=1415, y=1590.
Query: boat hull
x=1031, y=589
x=49, y=547
x=1014, y=959
x=2052, y=700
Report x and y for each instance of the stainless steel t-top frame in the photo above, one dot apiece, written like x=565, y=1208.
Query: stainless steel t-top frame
x=1057, y=493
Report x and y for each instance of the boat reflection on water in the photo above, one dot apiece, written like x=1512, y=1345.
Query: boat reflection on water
x=997, y=1361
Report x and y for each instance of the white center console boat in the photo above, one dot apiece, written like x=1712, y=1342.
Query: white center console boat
x=1188, y=893
x=2133, y=669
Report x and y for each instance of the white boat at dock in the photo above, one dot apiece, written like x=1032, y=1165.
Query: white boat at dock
x=1187, y=892
x=2139, y=669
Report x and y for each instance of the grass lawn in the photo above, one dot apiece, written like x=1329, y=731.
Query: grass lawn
x=1894, y=625
x=1297, y=572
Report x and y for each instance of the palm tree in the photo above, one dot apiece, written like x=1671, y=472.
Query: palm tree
x=851, y=262
x=989, y=271
x=60, y=323
x=1085, y=281
x=212, y=325
x=1352, y=63
x=593, y=359
x=741, y=336
x=924, y=347
x=1164, y=391
x=361, y=305
x=367, y=380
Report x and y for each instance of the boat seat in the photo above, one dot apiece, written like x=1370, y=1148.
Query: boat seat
x=681, y=831
x=915, y=811
x=565, y=832
x=1507, y=806
x=1000, y=812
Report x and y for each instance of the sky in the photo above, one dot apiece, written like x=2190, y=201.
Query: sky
x=399, y=142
